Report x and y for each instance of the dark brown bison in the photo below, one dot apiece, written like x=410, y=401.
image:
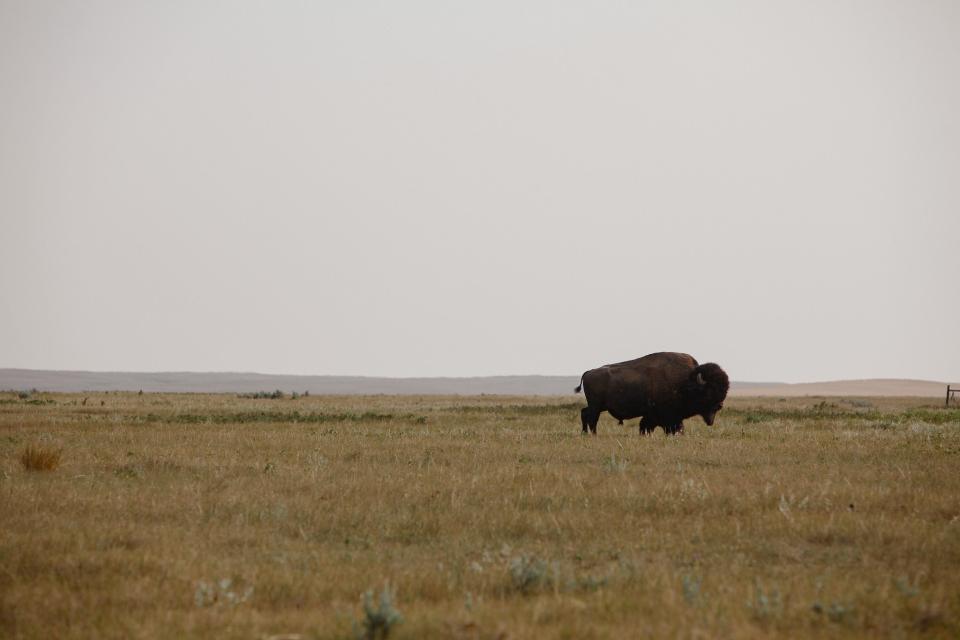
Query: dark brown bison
x=662, y=389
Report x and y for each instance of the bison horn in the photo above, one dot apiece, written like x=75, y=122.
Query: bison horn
x=700, y=379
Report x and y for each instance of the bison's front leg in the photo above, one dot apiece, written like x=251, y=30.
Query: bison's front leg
x=675, y=429
x=647, y=426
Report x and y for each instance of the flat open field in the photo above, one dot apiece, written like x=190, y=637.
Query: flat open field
x=488, y=517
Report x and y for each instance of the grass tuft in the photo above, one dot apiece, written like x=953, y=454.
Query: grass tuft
x=37, y=458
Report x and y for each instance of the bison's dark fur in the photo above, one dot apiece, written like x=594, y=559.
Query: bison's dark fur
x=662, y=389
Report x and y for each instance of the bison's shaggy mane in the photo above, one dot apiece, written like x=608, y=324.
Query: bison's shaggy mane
x=715, y=388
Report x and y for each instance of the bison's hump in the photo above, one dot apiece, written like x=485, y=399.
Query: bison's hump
x=656, y=360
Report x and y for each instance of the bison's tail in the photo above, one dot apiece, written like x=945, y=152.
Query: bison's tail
x=579, y=386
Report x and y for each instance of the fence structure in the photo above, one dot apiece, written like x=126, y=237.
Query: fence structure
x=952, y=390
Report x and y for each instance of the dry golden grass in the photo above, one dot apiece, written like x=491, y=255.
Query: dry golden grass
x=37, y=458
x=214, y=516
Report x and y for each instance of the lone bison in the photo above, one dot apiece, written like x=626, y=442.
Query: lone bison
x=662, y=388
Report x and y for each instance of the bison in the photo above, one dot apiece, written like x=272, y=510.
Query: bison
x=662, y=389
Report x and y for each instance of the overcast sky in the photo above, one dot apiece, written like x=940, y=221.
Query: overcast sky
x=445, y=188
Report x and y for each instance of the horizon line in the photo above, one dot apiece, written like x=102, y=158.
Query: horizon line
x=428, y=377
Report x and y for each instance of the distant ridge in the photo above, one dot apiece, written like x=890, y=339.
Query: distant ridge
x=188, y=382
x=869, y=387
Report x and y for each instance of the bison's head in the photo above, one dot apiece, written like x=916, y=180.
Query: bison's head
x=706, y=390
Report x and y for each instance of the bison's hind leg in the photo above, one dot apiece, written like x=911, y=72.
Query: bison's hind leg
x=589, y=418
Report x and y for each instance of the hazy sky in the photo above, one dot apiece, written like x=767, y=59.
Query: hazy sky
x=447, y=188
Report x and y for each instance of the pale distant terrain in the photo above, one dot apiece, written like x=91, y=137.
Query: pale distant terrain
x=528, y=385
x=871, y=387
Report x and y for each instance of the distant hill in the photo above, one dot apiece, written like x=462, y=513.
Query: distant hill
x=871, y=387
x=187, y=382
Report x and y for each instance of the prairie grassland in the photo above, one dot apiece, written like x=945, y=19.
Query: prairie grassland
x=489, y=517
